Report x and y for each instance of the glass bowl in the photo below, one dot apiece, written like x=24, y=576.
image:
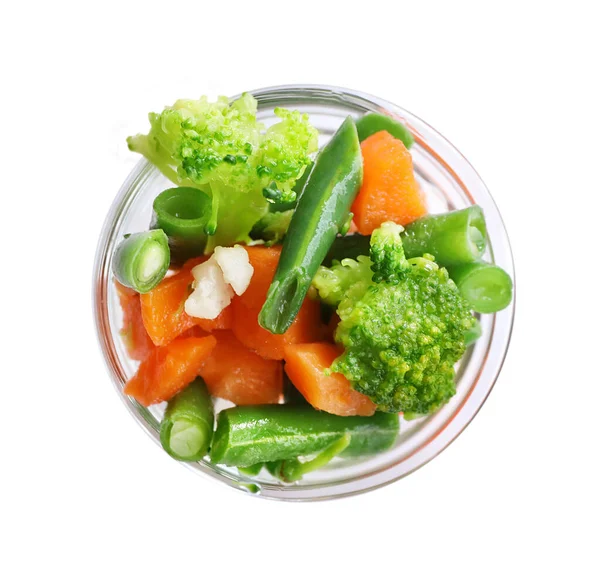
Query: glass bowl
x=449, y=182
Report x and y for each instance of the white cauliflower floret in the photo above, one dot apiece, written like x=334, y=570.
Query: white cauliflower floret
x=211, y=293
x=215, y=281
x=236, y=267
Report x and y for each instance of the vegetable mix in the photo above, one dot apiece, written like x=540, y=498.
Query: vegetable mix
x=310, y=288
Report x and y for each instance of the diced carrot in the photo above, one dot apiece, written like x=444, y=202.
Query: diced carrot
x=169, y=369
x=306, y=327
x=223, y=321
x=389, y=190
x=163, y=311
x=234, y=372
x=134, y=334
x=305, y=365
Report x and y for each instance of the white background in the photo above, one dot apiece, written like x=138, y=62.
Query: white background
x=84, y=492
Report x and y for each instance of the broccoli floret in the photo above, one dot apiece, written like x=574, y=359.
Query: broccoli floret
x=401, y=338
x=273, y=227
x=387, y=253
x=221, y=149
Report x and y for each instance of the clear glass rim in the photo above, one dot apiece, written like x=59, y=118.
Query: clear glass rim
x=463, y=174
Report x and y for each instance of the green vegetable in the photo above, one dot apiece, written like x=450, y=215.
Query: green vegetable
x=252, y=434
x=141, y=260
x=253, y=470
x=473, y=333
x=374, y=122
x=322, y=211
x=401, y=338
x=221, y=149
x=187, y=427
x=272, y=227
x=279, y=207
x=293, y=469
x=452, y=238
x=183, y=214
x=486, y=287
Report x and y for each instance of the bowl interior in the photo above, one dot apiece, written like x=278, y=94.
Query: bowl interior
x=449, y=183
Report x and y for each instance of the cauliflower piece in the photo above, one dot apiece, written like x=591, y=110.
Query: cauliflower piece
x=211, y=293
x=235, y=265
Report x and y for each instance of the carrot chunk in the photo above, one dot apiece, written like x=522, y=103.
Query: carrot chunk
x=234, y=372
x=389, y=190
x=306, y=327
x=163, y=311
x=134, y=334
x=169, y=369
x=305, y=365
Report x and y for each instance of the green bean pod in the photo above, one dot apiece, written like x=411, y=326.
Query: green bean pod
x=252, y=434
x=183, y=214
x=321, y=213
x=374, y=122
x=452, y=238
x=486, y=287
x=187, y=427
x=142, y=260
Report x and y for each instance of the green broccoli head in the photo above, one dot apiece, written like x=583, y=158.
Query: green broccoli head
x=387, y=253
x=401, y=339
x=220, y=148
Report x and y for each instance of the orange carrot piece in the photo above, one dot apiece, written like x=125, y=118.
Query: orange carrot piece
x=305, y=365
x=169, y=369
x=163, y=311
x=306, y=327
x=134, y=334
x=236, y=373
x=389, y=190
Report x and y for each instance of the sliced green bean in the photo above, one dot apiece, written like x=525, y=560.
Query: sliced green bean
x=253, y=470
x=486, y=287
x=187, y=427
x=251, y=434
x=452, y=238
x=321, y=213
x=142, y=260
x=183, y=214
x=373, y=122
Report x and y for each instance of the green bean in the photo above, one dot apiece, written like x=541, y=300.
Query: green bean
x=252, y=434
x=322, y=211
x=141, y=260
x=187, y=427
x=183, y=214
x=452, y=238
x=486, y=287
x=253, y=470
x=374, y=122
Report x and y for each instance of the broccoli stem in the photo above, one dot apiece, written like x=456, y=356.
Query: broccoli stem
x=141, y=260
x=322, y=211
